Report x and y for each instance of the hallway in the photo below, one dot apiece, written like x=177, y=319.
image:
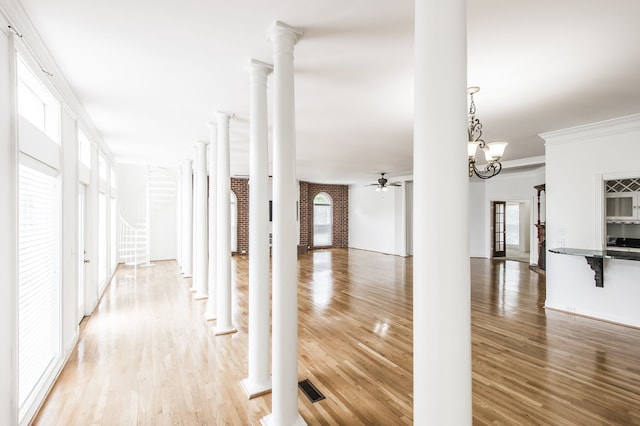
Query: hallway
x=147, y=357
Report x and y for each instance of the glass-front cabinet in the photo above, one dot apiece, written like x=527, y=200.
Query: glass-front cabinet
x=622, y=211
x=622, y=206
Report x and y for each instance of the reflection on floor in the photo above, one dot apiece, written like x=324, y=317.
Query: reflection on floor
x=147, y=357
x=517, y=255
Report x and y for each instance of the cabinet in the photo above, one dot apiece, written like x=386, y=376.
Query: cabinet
x=623, y=206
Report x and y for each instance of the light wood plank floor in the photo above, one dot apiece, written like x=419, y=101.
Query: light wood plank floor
x=146, y=356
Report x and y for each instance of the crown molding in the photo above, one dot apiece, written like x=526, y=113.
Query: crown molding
x=615, y=126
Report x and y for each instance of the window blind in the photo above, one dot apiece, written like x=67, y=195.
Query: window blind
x=38, y=279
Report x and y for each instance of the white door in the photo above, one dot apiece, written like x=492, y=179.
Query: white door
x=82, y=253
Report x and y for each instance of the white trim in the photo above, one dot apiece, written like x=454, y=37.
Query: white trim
x=599, y=129
x=598, y=208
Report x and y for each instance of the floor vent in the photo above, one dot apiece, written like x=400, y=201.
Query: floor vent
x=308, y=389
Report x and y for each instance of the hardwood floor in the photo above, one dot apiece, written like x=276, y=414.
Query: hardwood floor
x=147, y=357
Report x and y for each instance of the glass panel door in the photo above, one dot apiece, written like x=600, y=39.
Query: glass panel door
x=499, y=229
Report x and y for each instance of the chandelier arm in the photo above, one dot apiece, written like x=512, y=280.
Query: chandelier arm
x=489, y=171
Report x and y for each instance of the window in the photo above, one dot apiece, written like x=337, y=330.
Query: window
x=84, y=149
x=113, y=230
x=513, y=224
x=322, y=220
x=36, y=104
x=38, y=278
x=102, y=167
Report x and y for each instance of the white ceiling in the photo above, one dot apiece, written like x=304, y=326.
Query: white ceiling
x=151, y=74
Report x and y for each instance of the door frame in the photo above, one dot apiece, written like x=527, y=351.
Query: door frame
x=82, y=251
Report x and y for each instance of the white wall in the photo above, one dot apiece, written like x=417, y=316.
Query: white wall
x=377, y=220
x=575, y=218
x=478, y=217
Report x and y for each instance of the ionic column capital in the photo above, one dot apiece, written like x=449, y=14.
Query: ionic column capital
x=284, y=37
x=259, y=70
x=223, y=117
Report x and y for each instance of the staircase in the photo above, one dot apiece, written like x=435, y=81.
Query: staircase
x=132, y=247
x=135, y=236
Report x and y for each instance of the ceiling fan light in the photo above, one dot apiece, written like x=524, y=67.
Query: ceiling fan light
x=385, y=188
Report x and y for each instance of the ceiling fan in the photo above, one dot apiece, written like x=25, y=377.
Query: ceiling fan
x=383, y=183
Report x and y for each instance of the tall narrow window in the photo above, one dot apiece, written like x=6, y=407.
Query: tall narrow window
x=84, y=149
x=102, y=167
x=113, y=231
x=38, y=279
x=322, y=220
x=234, y=222
x=513, y=224
x=39, y=203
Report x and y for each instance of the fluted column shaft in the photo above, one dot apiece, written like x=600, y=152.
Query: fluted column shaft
x=187, y=218
x=211, y=308
x=441, y=284
x=201, y=226
x=259, y=380
x=285, y=303
x=223, y=229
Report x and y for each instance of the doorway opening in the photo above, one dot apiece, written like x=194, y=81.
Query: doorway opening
x=511, y=229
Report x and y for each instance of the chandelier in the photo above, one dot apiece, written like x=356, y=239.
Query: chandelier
x=492, y=151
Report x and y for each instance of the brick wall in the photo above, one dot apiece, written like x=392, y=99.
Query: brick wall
x=339, y=195
x=304, y=216
x=240, y=187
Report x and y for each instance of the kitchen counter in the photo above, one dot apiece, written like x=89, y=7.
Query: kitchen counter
x=595, y=258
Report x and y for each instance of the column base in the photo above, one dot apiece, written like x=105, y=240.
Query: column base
x=189, y=275
x=255, y=389
x=200, y=296
x=222, y=330
x=210, y=316
x=267, y=421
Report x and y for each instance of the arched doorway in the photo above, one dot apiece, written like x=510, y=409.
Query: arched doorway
x=322, y=220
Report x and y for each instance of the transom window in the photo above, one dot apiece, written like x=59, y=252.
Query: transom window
x=36, y=104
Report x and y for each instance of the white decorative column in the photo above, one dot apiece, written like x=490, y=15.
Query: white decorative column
x=201, y=226
x=259, y=380
x=194, y=221
x=210, y=310
x=223, y=265
x=441, y=283
x=187, y=218
x=285, y=267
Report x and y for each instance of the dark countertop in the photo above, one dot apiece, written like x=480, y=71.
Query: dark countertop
x=602, y=254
